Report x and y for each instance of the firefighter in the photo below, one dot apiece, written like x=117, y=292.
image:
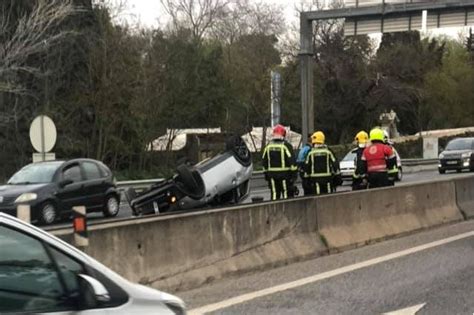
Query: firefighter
x=359, y=178
x=321, y=167
x=305, y=182
x=378, y=158
x=393, y=170
x=279, y=165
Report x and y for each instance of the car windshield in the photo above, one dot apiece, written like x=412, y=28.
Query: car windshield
x=35, y=174
x=349, y=156
x=459, y=144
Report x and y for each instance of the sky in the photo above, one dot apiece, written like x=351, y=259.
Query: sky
x=150, y=13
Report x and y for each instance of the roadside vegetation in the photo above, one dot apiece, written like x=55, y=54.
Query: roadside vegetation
x=112, y=88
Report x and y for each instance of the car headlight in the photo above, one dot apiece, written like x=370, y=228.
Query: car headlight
x=26, y=197
x=466, y=155
x=441, y=156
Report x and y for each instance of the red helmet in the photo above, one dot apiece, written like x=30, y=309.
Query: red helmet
x=279, y=131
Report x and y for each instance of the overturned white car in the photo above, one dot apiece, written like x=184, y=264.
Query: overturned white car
x=221, y=180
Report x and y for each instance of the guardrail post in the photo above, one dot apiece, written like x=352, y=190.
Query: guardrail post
x=80, y=227
x=23, y=212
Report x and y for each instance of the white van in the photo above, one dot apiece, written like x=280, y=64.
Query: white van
x=40, y=273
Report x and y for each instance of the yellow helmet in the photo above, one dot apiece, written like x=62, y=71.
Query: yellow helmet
x=376, y=134
x=318, y=138
x=362, y=137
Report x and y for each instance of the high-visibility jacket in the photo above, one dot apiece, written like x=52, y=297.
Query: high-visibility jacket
x=321, y=163
x=278, y=158
x=359, y=167
x=378, y=157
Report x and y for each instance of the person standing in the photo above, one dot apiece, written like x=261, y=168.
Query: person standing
x=305, y=182
x=279, y=165
x=393, y=170
x=378, y=158
x=321, y=165
x=359, y=178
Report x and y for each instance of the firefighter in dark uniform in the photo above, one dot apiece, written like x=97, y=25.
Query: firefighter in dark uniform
x=303, y=153
x=359, y=178
x=378, y=159
x=321, y=166
x=279, y=164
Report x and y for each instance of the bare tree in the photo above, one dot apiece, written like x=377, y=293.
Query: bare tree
x=34, y=33
x=197, y=15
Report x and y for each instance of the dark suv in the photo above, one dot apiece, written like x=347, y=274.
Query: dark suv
x=53, y=188
x=458, y=155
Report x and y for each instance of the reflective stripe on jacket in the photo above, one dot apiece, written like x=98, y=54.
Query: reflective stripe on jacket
x=278, y=157
x=320, y=162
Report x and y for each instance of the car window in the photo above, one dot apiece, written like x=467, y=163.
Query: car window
x=459, y=144
x=349, y=156
x=28, y=279
x=92, y=171
x=35, y=173
x=69, y=269
x=73, y=173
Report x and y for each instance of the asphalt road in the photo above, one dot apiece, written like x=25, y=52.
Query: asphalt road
x=125, y=211
x=430, y=272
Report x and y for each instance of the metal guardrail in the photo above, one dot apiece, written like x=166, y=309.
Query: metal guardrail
x=140, y=185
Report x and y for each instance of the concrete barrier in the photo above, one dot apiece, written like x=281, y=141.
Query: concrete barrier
x=465, y=195
x=359, y=218
x=184, y=251
x=179, y=252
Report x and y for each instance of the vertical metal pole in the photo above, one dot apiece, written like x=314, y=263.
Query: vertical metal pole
x=306, y=65
x=276, y=98
x=43, y=155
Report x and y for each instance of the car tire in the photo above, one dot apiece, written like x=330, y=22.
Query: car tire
x=400, y=175
x=186, y=177
x=48, y=213
x=459, y=170
x=441, y=171
x=241, y=152
x=111, y=206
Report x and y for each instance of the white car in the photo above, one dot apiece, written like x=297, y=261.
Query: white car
x=221, y=180
x=347, y=166
x=40, y=273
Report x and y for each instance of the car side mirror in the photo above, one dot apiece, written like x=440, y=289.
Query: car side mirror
x=92, y=291
x=65, y=182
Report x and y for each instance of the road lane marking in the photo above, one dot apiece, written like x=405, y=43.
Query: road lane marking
x=407, y=311
x=325, y=275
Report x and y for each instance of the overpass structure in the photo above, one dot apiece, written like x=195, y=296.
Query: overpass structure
x=372, y=16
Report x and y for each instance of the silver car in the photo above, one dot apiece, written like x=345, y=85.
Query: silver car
x=40, y=273
x=221, y=180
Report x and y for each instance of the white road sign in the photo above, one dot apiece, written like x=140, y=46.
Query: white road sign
x=43, y=134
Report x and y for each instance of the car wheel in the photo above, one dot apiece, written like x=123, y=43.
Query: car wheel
x=187, y=178
x=459, y=170
x=441, y=171
x=399, y=175
x=238, y=147
x=112, y=206
x=48, y=213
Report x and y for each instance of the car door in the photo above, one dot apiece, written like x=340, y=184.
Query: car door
x=72, y=194
x=36, y=278
x=94, y=185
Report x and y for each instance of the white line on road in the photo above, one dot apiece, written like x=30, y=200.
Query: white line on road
x=407, y=311
x=325, y=275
